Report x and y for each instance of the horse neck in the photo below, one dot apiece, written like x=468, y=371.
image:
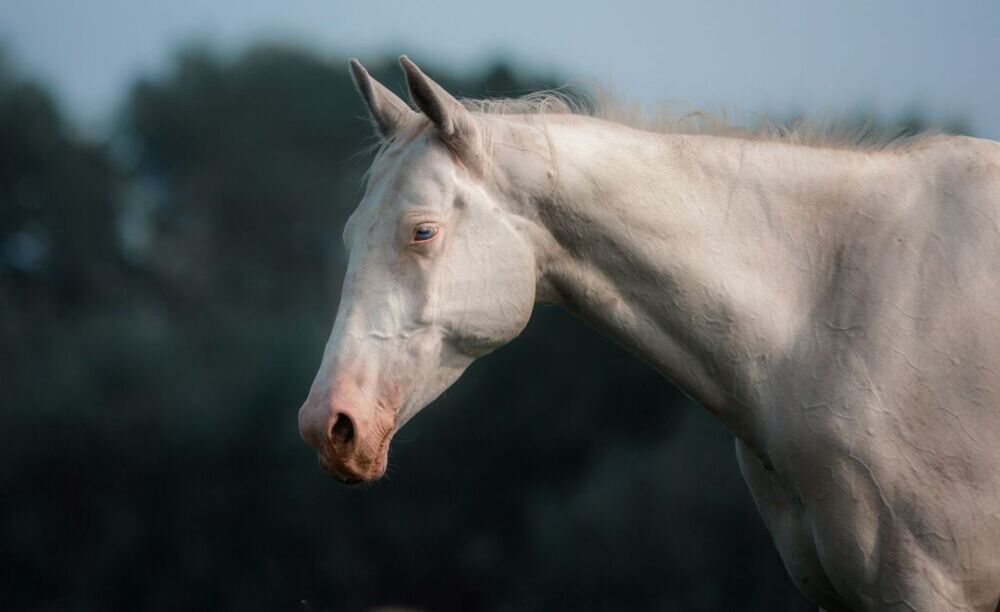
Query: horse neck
x=702, y=255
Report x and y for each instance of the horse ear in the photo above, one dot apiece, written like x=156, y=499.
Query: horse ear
x=452, y=120
x=387, y=110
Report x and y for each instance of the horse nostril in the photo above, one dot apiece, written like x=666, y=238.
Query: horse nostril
x=342, y=432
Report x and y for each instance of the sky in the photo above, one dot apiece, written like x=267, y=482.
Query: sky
x=813, y=57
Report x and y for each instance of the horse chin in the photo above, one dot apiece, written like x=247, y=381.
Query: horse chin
x=352, y=481
x=352, y=478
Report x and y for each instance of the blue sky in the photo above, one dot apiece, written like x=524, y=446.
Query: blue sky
x=939, y=58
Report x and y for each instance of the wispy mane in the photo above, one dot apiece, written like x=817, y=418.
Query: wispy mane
x=837, y=133
x=840, y=133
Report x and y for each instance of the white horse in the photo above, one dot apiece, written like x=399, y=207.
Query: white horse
x=837, y=307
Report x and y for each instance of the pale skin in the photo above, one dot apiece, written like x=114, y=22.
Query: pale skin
x=838, y=310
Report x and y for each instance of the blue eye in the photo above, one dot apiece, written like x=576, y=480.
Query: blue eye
x=424, y=232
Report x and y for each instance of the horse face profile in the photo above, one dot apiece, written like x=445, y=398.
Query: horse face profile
x=437, y=276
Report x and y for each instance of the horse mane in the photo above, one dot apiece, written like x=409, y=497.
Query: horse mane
x=598, y=103
x=601, y=104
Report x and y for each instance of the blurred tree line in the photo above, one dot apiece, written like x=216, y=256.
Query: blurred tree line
x=165, y=295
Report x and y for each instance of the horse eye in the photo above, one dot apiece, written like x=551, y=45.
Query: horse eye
x=424, y=232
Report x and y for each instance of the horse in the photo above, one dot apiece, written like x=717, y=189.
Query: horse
x=835, y=304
